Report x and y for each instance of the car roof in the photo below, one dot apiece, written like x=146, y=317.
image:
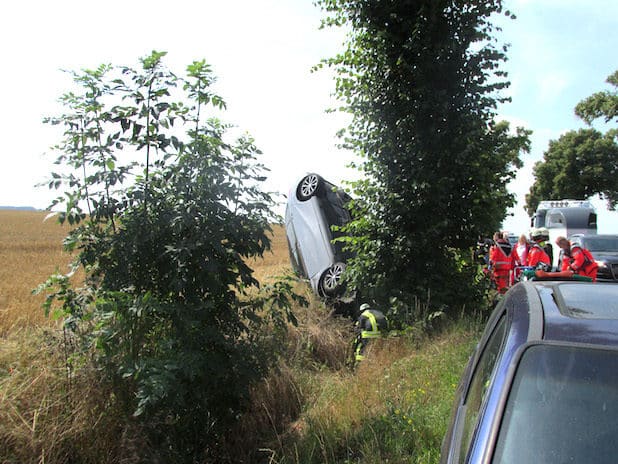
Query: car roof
x=572, y=311
x=585, y=236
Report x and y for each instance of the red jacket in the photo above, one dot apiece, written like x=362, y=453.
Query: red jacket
x=537, y=255
x=520, y=260
x=501, y=262
x=582, y=262
x=566, y=261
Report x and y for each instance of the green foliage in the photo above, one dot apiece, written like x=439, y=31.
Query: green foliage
x=601, y=104
x=578, y=165
x=167, y=214
x=581, y=163
x=422, y=82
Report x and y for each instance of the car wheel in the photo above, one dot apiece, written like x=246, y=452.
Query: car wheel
x=331, y=279
x=308, y=187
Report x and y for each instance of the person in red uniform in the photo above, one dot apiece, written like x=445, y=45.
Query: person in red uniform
x=537, y=257
x=520, y=257
x=577, y=259
x=500, y=262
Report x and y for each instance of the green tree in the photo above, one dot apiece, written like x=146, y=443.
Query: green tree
x=601, y=104
x=581, y=163
x=422, y=82
x=180, y=327
x=578, y=165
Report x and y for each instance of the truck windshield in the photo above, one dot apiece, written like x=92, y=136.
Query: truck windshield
x=570, y=218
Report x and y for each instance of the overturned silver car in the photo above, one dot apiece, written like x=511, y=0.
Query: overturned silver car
x=314, y=206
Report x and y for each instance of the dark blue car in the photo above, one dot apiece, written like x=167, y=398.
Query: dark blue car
x=542, y=385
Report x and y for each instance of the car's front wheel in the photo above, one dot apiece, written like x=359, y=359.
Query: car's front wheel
x=331, y=282
x=309, y=186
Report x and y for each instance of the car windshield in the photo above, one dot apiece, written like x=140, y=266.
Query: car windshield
x=562, y=407
x=602, y=244
x=336, y=215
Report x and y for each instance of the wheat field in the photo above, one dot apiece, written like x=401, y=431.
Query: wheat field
x=31, y=250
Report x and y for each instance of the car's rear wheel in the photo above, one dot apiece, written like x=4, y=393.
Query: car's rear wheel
x=331, y=281
x=309, y=186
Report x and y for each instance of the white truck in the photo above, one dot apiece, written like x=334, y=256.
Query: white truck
x=565, y=218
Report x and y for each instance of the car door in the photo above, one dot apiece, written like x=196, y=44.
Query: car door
x=473, y=389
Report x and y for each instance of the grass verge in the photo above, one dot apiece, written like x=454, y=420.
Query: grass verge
x=394, y=407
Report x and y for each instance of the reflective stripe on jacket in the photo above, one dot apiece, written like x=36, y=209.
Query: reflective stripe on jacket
x=499, y=259
x=375, y=330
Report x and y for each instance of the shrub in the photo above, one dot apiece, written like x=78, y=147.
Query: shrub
x=180, y=327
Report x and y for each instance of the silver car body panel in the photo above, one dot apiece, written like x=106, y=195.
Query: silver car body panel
x=309, y=237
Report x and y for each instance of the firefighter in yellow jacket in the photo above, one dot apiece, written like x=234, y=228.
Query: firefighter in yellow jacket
x=371, y=323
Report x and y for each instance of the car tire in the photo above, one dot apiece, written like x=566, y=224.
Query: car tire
x=308, y=187
x=330, y=282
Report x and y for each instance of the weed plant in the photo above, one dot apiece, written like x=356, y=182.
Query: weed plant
x=393, y=407
x=49, y=412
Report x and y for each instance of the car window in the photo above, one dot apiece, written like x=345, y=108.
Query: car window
x=592, y=220
x=336, y=215
x=334, y=207
x=479, y=384
x=538, y=220
x=563, y=407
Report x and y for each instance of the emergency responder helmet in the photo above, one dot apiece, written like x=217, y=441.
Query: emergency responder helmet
x=538, y=234
x=365, y=306
x=543, y=235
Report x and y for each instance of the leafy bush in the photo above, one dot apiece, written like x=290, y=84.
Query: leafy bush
x=169, y=309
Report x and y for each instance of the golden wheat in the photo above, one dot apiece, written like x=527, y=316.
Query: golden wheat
x=45, y=414
x=31, y=250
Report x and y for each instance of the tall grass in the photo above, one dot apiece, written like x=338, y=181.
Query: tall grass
x=48, y=414
x=314, y=408
x=394, y=407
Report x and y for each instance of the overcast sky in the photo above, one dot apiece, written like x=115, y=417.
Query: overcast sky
x=262, y=52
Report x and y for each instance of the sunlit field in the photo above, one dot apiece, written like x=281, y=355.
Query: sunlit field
x=275, y=262
x=30, y=251
x=314, y=408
